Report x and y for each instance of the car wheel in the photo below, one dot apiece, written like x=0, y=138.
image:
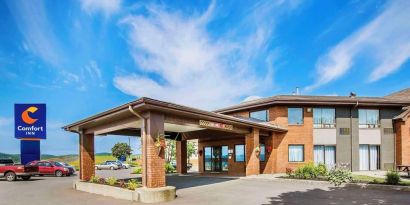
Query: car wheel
x=41, y=175
x=25, y=178
x=10, y=176
x=59, y=173
x=112, y=168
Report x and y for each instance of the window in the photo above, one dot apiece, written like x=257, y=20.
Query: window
x=296, y=153
x=369, y=157
x=225, y=157
x=260, y=115
x=262, y=152
x=368, y=118
x=239, y=153
x=208, y=158
x=324, y=118
x=325, y=155
x=295, y=116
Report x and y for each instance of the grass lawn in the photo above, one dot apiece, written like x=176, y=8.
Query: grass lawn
x=375, y=180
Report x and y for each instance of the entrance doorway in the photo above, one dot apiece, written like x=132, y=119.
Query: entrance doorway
x=216, y=158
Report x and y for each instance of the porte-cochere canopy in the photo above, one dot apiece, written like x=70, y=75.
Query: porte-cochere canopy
x=155, y=120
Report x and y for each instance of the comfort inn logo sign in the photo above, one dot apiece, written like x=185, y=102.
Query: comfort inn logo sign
x=30, y=121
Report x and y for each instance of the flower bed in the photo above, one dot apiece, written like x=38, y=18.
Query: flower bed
x=130, y=184
x=340, y=175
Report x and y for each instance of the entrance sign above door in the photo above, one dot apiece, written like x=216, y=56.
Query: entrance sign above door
x=205, y=123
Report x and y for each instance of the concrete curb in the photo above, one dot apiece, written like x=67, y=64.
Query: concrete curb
x=144, y=195
x=105, y=190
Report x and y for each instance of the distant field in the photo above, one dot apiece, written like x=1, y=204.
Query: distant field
x=70, y=159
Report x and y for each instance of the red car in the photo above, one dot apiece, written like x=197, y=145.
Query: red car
x=51, y=168
x=12, y=171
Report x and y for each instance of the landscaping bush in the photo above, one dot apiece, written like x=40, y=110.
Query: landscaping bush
x=137, y=170
x=392, y=177
x=133, y=184
x=338, y=176
x=309, y=171
x=169, y=168
x=111, y=181
x=321, y=170
x=94, y=179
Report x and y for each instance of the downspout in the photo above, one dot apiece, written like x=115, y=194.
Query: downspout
x=144, y=148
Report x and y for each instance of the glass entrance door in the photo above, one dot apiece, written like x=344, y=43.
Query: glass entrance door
x=216, y=158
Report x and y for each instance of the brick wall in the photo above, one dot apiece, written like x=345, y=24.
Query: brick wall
x=252, y=159
x=87, y=159
x=403, y=142
x=297, y=134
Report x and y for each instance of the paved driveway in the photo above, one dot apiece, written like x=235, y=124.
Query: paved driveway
x=202, y=190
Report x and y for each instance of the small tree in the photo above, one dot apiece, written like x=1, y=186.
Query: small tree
x=191, y=149
x=121, y=149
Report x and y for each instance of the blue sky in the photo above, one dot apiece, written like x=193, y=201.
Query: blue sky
x=83, y=57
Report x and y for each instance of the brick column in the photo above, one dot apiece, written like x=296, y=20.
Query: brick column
x=181, y=156
x=153, y=163
x=87, y=160
x=252, y=158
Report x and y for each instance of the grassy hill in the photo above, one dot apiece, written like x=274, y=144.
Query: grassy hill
x=71, y=159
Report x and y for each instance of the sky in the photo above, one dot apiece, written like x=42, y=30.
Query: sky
x=82, y=57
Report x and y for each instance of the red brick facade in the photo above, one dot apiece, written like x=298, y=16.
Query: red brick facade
x=252, y=154
x=403, y=142
x=277, y=145
x=87, y=158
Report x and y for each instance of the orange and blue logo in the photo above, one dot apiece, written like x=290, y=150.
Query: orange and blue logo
x=26, y=117
x=30, y=121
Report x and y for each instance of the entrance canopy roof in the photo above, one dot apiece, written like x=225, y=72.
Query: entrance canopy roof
x=123, y=120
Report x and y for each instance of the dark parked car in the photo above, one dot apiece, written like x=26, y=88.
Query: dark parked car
x=188, y=165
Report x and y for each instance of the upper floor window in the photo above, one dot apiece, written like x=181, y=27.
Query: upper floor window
x=260, y=115
x=295, y=116
x=368, y=118
x=324, y=118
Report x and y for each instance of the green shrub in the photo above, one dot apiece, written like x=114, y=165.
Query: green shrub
x=169, y=168
x=134, y=164
x=133, y=184
x=137, y=170
x=111, y=181
x=338, y=176
x=392, y=177
x=307, y=171
x=321, y=170
x=94, y=179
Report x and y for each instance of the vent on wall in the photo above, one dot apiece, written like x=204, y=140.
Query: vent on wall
x=344, y=131
x=388, y=131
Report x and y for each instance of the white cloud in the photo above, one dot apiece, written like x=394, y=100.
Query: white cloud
x=94, y=73
x=252, y=97
x=190, y=66
x=107, y=7
x=385, y=42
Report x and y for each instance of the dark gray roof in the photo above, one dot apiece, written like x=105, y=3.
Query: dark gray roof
x=316, y=100
x=404, y=115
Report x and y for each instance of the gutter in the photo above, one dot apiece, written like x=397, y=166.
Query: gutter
x=144, y=148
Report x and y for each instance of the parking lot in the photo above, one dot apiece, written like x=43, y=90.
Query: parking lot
x=201, y=190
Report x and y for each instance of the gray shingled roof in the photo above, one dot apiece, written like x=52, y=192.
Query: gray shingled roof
x=401, y=95
x=319, y=100
x=404, y=115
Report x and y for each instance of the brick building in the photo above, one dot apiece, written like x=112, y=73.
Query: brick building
x=261, y=136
